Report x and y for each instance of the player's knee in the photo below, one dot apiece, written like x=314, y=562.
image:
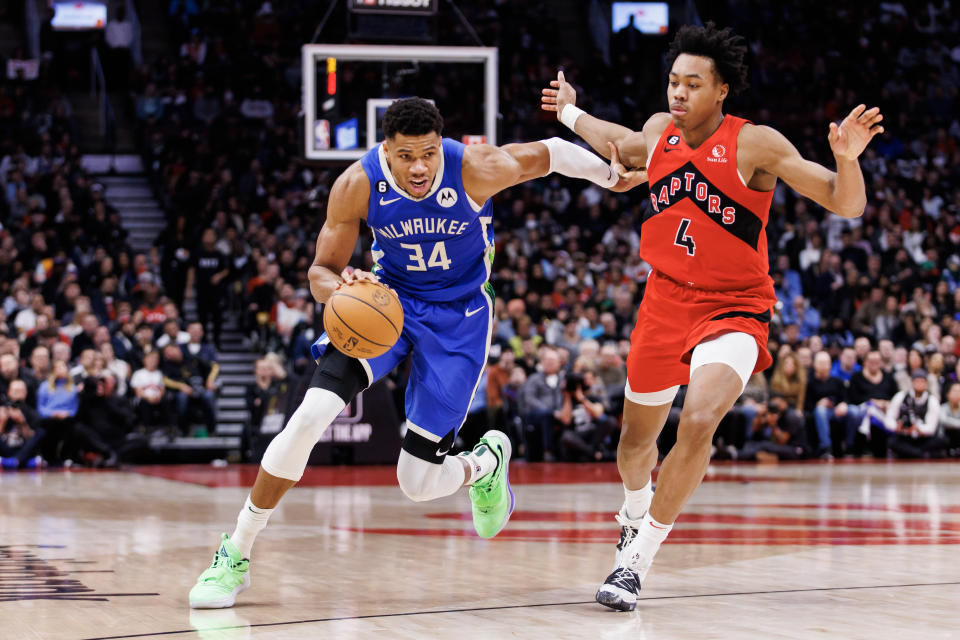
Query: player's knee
x=339, y=374
x=697, y=425
x=416, y=477
x=315, y=413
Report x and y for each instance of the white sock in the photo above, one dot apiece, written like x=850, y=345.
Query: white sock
x=636, y=502
x=250, y=522
x=650, y=535
x=480, y=465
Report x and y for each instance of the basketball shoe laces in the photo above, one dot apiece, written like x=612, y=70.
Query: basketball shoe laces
x=627, y=533
x=222, y=565
x=626, y=579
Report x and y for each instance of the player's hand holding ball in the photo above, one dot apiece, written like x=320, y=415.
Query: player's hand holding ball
x=363, y=318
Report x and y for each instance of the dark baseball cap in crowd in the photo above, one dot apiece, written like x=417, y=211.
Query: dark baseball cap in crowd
x=919, y=373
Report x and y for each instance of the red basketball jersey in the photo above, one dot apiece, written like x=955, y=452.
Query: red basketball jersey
x=706, y=228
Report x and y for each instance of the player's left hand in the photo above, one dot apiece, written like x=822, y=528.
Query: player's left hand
x=851, y=137
x=350, y=276
x=559, y=96
x=628, y=178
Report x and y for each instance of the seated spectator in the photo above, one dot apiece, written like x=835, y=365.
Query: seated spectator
x=120, y=369
x=846, y=365
x=737, y=425
x=11, y=370
x=57, y=404
x=39, y=363
x=149, y=391
x=868, y=398
x=201, y=359
x=775, y=436
x=950, y=420
x=185, y=382
x=109, y=423
x=498, y=376
x=287, y=313
x=789, y=380
x=825, y=399
x=913, y=418
x=86, y=367
x=542, y=400
x=172, y=334
x=266, y=403
x=20, y=433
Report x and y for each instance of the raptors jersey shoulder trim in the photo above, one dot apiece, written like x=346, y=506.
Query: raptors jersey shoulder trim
x=705, y=227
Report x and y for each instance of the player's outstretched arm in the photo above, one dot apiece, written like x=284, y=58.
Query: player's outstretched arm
x=488, y=170
x=842, y=192
x=562, y=99
x=349, y=199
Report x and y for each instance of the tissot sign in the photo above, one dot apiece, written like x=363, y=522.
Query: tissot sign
x=420, y=7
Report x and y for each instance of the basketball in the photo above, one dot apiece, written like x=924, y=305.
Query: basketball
x=363, y=320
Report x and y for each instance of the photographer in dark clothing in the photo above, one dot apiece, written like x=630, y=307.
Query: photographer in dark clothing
x=583, y=418
x=108, y=422
x=20, y=437
x=777, y=435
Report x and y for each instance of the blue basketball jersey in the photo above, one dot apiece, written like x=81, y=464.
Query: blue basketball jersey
x=436, y=248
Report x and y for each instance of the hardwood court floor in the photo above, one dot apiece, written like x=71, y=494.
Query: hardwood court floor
x=858, y=550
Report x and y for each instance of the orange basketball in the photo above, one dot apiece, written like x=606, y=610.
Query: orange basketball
x=364, y=319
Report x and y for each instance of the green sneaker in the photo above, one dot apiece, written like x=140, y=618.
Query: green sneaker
x=218, y=586
x=491, y=495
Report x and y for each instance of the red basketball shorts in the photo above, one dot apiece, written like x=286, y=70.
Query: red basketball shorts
x=674, y=318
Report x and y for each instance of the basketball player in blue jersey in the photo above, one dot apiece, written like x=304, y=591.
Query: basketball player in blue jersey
x=427, y=201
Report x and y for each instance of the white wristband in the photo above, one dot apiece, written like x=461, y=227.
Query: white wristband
x=569, y=115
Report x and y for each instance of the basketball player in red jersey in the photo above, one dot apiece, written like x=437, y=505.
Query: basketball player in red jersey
x=705, y=314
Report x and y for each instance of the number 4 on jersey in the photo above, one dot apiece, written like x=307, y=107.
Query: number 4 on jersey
x=683, y=240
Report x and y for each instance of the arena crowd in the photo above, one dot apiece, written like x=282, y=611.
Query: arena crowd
x=95, y=352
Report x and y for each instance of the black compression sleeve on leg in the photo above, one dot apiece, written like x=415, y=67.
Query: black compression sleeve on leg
x=339, y=373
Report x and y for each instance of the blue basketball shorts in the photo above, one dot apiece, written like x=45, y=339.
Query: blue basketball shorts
x=448, y=343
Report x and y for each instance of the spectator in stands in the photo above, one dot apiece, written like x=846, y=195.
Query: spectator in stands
x=498, y=376
x=267, y=401
x=789, y=380
x=201, y=359
x=109, y=420
x=11, y=370
x=868, y=398
x=86, y=366
x=846, y=365
x=119, y=369
x=542, y=400
x=825, y=400
x=913, y=417
x=151, y=305
x=40, y=363
x=585, y=416
x=149, y=392
x=775, y=436
x=57, y=404
x=20, y=434
x=287, y=313
x=208, y=274
x=172, y=334
x=176, y=379
x=84, y=340
x=950, y=420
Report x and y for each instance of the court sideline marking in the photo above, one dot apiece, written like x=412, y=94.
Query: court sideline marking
x=523, y=606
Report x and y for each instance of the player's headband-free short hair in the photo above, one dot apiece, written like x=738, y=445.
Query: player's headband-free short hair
x=412, y=117
x=726, y=49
